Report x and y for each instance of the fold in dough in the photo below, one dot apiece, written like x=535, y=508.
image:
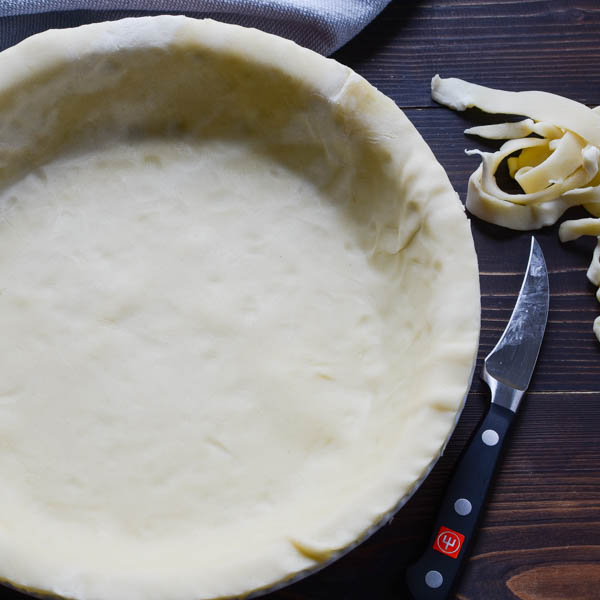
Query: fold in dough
x=239, y=310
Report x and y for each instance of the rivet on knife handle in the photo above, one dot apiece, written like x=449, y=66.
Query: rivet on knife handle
x=507, y=370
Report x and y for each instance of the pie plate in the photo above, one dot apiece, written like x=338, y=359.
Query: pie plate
x=239, y=310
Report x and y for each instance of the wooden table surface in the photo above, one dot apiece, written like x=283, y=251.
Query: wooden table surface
x=540, y=535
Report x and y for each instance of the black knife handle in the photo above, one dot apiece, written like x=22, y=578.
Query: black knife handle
x=433, y=576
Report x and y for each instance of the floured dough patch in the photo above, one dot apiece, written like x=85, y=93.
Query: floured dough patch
x=197, y=302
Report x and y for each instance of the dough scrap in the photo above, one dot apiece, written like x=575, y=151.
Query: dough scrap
x=556, y=170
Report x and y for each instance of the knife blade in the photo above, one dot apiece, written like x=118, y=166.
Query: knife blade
x=507, y=370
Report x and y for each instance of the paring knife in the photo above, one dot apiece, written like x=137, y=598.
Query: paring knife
x=507, y=370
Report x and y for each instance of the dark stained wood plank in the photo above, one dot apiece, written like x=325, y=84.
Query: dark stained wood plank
x=511, y=44
x=560, y=573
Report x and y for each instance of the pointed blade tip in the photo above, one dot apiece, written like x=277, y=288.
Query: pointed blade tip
x=513, y=358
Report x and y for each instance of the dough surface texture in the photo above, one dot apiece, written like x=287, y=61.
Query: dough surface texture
x=239, y=310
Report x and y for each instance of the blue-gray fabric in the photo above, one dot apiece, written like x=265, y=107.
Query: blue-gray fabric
x=322, y=25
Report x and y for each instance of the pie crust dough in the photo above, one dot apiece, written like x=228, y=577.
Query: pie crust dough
x=239, y=310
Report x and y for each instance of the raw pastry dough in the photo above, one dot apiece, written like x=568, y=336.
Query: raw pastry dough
x=239, y=310
x=556, y=171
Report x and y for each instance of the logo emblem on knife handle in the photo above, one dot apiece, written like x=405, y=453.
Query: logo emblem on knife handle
x=507, y=370
x=448, y=542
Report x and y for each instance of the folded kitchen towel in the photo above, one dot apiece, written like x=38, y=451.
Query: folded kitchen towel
x=323, y=25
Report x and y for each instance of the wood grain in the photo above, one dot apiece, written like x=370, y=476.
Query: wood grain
x=540, y=536
x=511, y=44
x=575, y=581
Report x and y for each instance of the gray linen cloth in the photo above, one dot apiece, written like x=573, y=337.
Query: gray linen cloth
x=323, y=25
